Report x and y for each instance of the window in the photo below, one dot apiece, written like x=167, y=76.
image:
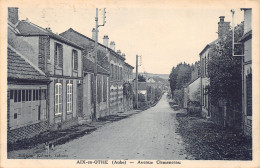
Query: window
x=36, y=94
x=92, y=89
x=75, y=60
x=99, y=89
x=44, y=94
x=19, y=95
x=11, y=94
x=29, y=95
x=112, y=71
x=23, y=95
x=121, y=74
x=104, y=88
x=58, y=98
x=58, y=55
x=69, y=97
x=15, y=115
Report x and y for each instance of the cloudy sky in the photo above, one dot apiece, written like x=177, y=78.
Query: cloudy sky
x=163, y=36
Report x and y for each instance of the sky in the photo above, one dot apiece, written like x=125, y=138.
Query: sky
x=163, y=37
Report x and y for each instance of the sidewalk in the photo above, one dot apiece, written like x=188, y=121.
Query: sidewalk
x=207, y=141
x=23, y=149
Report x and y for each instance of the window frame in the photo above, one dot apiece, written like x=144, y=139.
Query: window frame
x=69, y=101
x=74, y=60
x=58, y=94
x=58, y=53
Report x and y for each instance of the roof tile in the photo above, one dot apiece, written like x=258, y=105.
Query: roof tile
x=19, y=68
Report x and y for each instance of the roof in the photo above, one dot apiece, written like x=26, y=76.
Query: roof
x=246, y=36
x=187, y=84
x=89, y=66
x=27, y=28
x=207, y=46
x=20, y=68
x=129, y=65
x=68, y=34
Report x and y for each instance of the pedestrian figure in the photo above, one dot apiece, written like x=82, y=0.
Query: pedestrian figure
x=47, y=148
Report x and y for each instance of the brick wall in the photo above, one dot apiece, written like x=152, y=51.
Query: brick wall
x=44, y=52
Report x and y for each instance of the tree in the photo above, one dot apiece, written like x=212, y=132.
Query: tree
x=225, y=70
x=141, y=78
x=179, y=76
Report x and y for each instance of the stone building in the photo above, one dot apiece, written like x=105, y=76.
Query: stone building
x=205, y=80
x=102, y=106
x=192, y=89
x=111, y=66
x=127, y=86
x=59, y=59
x=205, y=54
x=27, y=105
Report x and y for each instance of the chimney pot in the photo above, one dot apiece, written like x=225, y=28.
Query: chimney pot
x=13, y=14
x=221, y=18
x=112, y=45
x=49, y=29
x=119, y=52
x=105, y=40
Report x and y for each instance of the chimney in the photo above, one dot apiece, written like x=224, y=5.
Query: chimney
x=48, y=29
x=13, y=14
x=94, y=34
x=118, y=52
x=223, y=27
x=105, y=40
x=123, y=55
x=112, y=45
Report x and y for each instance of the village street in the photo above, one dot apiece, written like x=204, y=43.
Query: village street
x=150, y=134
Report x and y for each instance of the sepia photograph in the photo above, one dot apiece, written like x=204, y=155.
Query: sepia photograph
x=159, y=84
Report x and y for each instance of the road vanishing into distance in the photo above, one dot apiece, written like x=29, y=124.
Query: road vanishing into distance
x=150, y=134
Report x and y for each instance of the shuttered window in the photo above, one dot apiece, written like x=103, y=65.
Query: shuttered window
x=75, y=60
x=58, y=55
x=249, y=95
x=104, y=88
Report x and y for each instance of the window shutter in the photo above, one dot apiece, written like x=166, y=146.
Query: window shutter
x=76, y=60
x=60, y=48
x=249, y=94
x=55, y=54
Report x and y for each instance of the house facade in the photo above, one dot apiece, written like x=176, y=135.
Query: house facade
x=116, y=80
x=27, y=105
x=192, y=89
x=102, y=79
x=60, y=60
x=205, y=81
x=127, y=86
x=246, y=39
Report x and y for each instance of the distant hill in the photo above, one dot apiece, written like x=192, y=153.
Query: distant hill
x=163, y=76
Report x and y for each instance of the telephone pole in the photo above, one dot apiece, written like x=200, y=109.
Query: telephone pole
x=95, y=51
x=136, y=81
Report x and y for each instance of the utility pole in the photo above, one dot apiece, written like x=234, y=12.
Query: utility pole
x=136, y=82
x=95, y=51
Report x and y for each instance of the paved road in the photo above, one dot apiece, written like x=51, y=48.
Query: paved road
x=150, y=134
